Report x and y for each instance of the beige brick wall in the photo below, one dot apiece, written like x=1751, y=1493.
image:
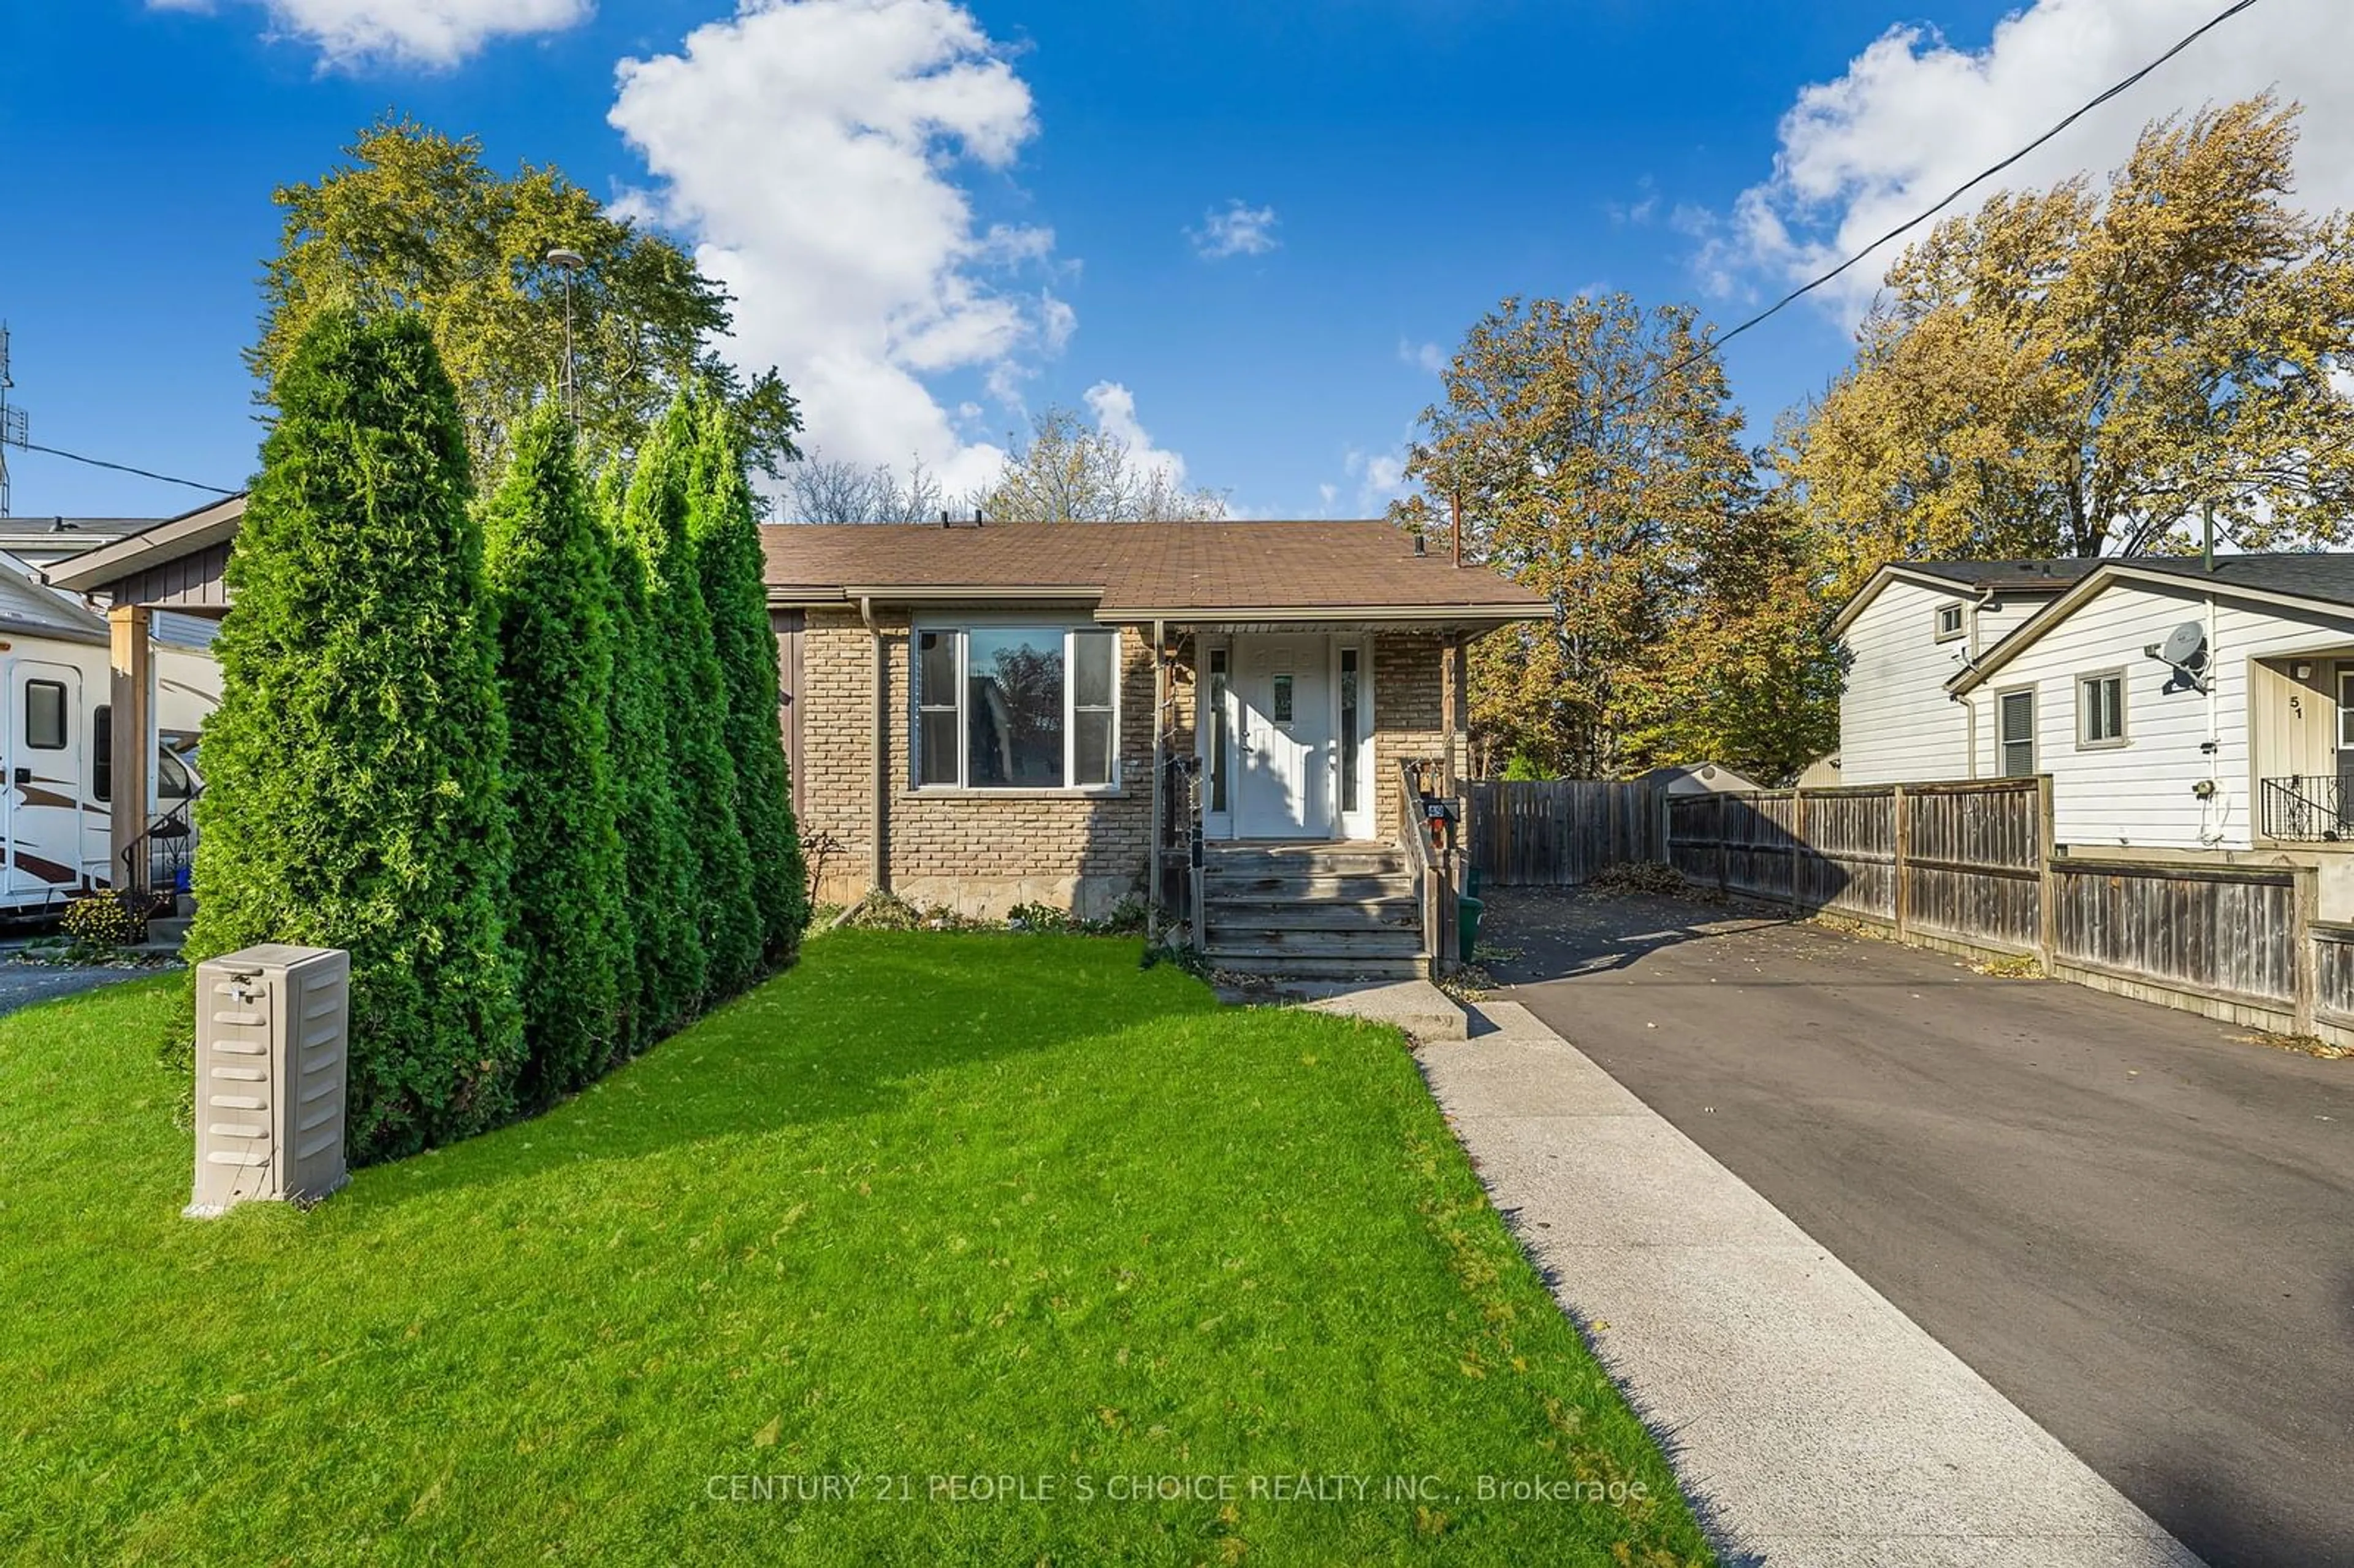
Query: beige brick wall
x=1407, y=696
x=981, y=852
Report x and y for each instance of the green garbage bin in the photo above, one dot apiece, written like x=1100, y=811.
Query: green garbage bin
x=1468, y=911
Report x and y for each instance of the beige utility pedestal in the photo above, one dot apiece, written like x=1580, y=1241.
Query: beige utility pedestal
x=273, y=1036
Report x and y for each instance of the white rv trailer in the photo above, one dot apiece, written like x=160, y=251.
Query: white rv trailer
x=56, y=737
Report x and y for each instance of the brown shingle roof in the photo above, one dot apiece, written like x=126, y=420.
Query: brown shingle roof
x=1138, y=569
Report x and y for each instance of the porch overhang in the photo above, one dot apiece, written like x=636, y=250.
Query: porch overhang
x=1469, y=620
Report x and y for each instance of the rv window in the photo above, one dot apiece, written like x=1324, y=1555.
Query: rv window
x=171, y=777
x=45, y=715
x=101, y=753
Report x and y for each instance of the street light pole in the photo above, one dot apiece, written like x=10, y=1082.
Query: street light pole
x=571, y=261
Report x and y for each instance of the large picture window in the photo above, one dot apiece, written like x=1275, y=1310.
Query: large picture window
x=1017, y=707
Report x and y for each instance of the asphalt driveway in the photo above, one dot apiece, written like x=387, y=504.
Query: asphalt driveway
x=2135, y=1224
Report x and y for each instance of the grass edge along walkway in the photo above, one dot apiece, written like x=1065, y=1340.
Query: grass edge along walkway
x=967, y=1248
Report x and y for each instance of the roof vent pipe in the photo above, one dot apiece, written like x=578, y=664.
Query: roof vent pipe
x=1418, y=543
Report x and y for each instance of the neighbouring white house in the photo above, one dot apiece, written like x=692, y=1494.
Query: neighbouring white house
x=1914, y=626
x=2173, y=706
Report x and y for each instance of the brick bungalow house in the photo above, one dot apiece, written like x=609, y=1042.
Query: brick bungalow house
x=981, y=715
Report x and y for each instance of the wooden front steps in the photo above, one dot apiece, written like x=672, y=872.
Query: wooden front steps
x=1321, y=911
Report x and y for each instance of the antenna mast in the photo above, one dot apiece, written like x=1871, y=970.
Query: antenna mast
x=12, y=421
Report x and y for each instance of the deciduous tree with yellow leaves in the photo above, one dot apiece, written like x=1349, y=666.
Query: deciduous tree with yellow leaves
x=2080, y=372
x=1599, y=460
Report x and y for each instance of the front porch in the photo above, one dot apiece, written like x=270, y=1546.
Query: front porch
x=2301, y=748
x=1306, y=801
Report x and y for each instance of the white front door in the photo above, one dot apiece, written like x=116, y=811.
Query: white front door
x=1283, y=737
x=45, y=779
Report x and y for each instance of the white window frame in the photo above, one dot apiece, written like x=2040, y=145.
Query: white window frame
x=2001, y=747
x=2085, y=739
x=1938, y=622
x=2345, y=708
x=959, y=627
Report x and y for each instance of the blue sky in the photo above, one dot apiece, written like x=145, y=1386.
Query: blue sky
x=940, y=217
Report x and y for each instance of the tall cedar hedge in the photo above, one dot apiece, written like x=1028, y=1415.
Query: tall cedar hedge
x=549, y=585
x=681, y=653
x=668, y=968
x=354, y=793
x=725, y=533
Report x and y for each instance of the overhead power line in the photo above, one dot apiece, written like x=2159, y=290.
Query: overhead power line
x=1800, y=293
x=124, y=468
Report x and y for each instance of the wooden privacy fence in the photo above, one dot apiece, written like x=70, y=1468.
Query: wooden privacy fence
x=1971, y=867
x=1960, y=863
x=1559, y=831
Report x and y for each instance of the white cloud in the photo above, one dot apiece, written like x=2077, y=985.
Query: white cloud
x=412, y=32
x=1380, y=478
x=1427, y=358
x=1238, y=230
x=813, y=151
x=1114, y=407
x=1638, y=212
x=1914, y=117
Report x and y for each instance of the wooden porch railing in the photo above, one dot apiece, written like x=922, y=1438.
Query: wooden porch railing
x=1437, y=869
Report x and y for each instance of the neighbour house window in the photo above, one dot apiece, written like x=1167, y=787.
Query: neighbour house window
x=45, y=715
x=1017, y=707
x=2346, y=710
x=2101, y=709
x=1949, y=622
x=101, y=752
x=2018, y=733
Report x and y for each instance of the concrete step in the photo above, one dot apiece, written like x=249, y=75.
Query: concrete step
x=1303, y=966
x=1317, y=914
x=167, y=930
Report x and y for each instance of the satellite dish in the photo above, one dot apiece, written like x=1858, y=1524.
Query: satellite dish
x=2185, y=647
x=2184, y=650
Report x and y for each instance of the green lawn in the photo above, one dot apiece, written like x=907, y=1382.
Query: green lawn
x=928, y=1207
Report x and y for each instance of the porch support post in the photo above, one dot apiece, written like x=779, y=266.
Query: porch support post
x=1153, y=889
x=1449, y=694
x=130, y=677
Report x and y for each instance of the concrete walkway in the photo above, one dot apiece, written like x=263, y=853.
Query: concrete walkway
x=1814, y=1424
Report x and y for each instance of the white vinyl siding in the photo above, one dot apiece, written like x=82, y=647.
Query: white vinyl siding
x=2142, y=794
x=1897, y=723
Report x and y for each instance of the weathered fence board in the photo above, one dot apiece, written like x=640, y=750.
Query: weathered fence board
x=2333, y=972
x=2224, y=932
x=1972, y=862
x=1958, y=860
x=1559, y=831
